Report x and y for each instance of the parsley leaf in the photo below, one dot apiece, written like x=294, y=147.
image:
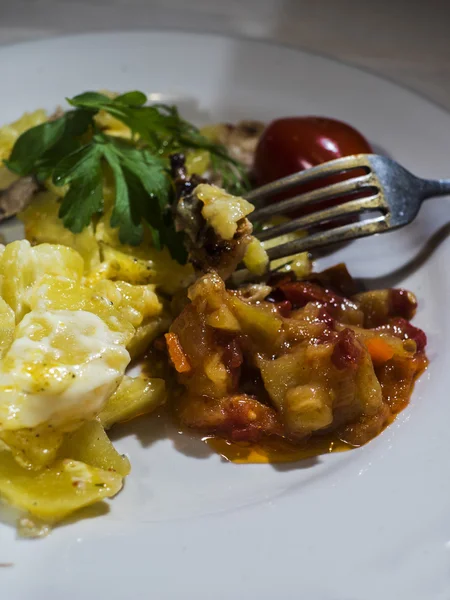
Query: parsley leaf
x=123, y=216
x=165, y=131
x=82, y=170
x=37, y=147
x=132, y=98
x=150, y=169
x=73, y=151
x=146, y=121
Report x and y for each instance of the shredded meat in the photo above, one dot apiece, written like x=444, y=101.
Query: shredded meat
x=17, y=196
x=240, y=140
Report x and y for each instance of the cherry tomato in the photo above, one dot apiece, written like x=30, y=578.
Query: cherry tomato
x=293, y=144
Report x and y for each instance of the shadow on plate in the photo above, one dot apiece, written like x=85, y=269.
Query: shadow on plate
x=305, y=463
x=158, y=427
x=98, y=509
x=10, y=516
x=397, y=276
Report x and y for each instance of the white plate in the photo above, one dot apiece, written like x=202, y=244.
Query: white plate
x=363, y=525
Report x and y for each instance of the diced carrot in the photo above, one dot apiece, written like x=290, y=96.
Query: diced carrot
x=379, y=350
x=177, y=354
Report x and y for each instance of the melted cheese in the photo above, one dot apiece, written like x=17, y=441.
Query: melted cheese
x=60, y=369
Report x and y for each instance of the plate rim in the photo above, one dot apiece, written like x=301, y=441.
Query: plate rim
x=355, y=69
x=228, y=36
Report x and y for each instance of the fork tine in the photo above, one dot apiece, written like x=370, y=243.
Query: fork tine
x=334, y=190
x=325, y=238
x=346, y=163
x=318, y=240
x=346, y=208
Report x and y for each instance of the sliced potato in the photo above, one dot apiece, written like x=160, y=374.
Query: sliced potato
x=22, y=266
x=300, y=264
x=143, y=265
x=33, y=448
x=42, y=224
x=146, y=333
x=135, y=396
x=256, y=259
x=134, y=302
x=140, y=306
x=55, y=492
x=197, y=162
x=57, y=293
x=7, y=325
x=90, y=445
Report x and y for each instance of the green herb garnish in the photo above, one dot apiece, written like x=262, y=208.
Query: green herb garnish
x=73, y=151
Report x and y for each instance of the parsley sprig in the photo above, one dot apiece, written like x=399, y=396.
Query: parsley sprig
x=73, y=151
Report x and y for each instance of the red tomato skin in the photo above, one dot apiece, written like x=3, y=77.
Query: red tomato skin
x=294, y=144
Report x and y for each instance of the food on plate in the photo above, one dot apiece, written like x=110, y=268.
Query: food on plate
x=301, y=360
x=135, y=224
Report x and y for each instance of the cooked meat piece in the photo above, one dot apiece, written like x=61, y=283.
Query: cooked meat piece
x=17, y=196
x=237, y=418
x=240, y=139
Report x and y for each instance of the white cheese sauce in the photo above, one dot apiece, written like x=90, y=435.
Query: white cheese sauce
x=61, y=368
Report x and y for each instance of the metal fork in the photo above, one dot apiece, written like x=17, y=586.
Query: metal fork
x=391, y=191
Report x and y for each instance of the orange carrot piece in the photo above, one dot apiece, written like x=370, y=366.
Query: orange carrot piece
x=379, y=350
x=177, y=354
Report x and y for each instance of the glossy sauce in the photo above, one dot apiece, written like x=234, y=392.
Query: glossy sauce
x=278, y=451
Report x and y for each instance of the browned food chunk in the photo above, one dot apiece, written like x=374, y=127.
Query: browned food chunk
x=239, y=418
x=314, y=367
x=217, y=230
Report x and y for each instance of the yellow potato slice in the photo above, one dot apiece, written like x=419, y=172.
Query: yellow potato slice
x=33, y=448
x=91, y=445
x=58, y=491
x=42, y=224
x=142, y=265
x=7, y=325
x=146, y=333
x=135, y=396
x=63, y=294
x=22, y=266
x=134, y=302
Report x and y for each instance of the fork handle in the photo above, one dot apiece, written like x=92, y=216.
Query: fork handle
x=435, y=187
